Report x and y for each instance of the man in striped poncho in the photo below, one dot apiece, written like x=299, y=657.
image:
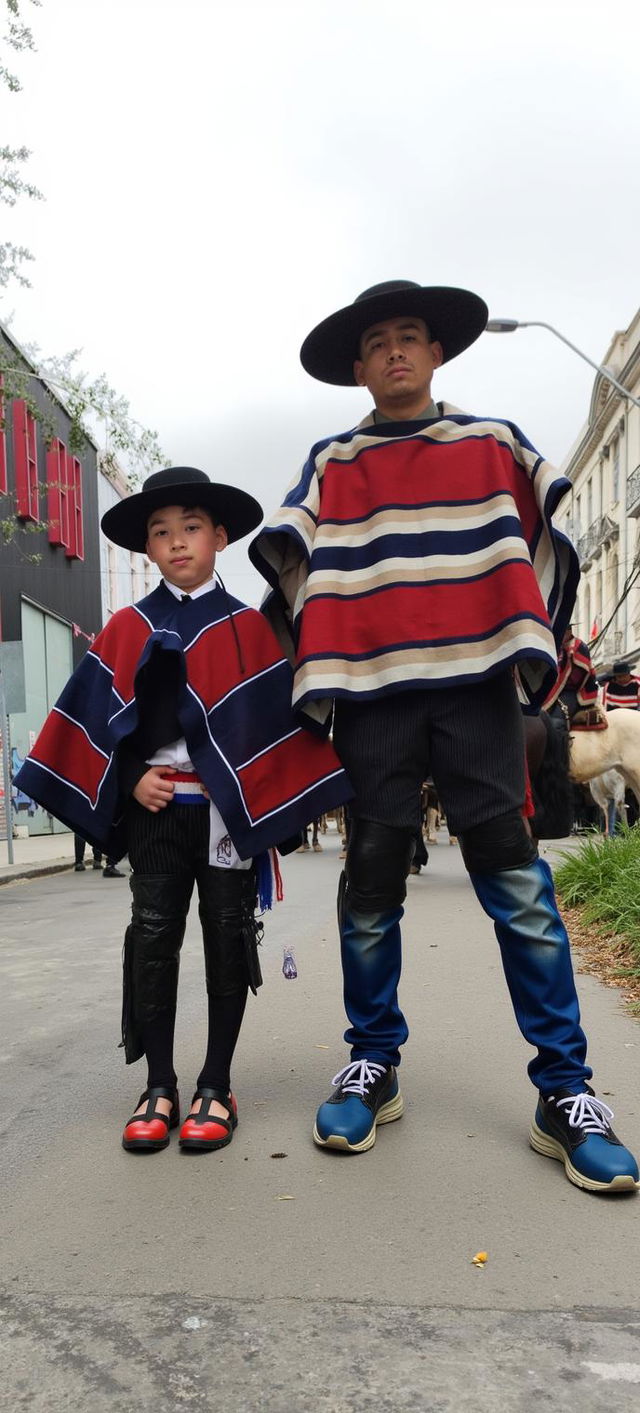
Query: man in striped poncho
x=621, y=688
x=575, y=688
x=416, y=567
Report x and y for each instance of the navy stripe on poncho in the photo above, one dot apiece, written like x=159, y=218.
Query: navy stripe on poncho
x=267, y=777
x=420, y=554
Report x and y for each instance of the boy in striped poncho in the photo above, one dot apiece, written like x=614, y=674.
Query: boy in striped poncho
x=174, y=741
x=416, y=566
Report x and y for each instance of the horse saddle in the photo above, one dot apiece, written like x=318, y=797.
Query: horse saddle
x=589, y=719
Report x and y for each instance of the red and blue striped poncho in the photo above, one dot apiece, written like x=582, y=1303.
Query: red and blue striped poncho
x=622, y=694
x=419, y=554
x=267, y=777
x=575, y=671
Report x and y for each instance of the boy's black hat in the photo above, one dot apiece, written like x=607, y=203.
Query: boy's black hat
x=455, y=318
x=126, y=522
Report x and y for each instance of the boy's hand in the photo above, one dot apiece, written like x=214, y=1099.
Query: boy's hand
x=153, y=791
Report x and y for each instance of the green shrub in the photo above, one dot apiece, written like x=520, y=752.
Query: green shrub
x=603, y=880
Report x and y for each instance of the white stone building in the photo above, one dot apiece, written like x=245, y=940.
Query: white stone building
x=125, y=576
x=602, y=514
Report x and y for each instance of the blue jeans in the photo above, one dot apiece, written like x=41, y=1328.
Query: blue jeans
x=537, y=965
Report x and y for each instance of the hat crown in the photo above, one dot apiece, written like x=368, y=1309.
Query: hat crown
x=388, y=287
x=175, y=476
x=621, y=667
x=454, y=317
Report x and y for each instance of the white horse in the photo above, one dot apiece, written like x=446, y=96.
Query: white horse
x=592, y=753
x=608, y=791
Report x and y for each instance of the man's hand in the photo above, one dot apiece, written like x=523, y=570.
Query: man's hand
x=153, y=791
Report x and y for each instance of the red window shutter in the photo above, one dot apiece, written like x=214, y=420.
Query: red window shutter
x=75, y=547
x=25, y=451
x=57, y=493
x=4, y=485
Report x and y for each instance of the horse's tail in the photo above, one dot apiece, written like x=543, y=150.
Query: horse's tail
x=552, y=787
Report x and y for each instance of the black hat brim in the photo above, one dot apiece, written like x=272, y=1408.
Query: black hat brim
x=126, y=523
x=455, y=318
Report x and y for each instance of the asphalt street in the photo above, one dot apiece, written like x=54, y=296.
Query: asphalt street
x=273, y=1275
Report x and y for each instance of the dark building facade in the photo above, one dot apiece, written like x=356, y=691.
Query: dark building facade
x=50, y=598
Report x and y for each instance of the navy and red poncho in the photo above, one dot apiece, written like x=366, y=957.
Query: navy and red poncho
x=267, y=777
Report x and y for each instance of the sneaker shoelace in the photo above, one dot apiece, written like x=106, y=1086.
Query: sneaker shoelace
x=358, y=1076
x=587, y=1112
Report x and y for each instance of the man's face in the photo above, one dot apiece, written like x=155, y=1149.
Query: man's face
x=183, y=543
x=622, y=678
x=397, y=362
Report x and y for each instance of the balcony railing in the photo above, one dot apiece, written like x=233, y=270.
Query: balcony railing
x=584, y=547
x=600, y=532
x=633, y=493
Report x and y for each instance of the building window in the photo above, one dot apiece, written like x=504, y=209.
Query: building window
x=615, y=471
x=3, y=442
x=112, y=579
x=25, y=451
x=75, y=547
x=611, y=593
x=597, y=489
x=597, y=598
x=137, y=577
x=58, y=490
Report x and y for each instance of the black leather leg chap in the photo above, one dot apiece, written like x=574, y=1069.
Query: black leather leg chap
x=151, y=957
x=230, y=930
x=498, y=845
x=378, y=862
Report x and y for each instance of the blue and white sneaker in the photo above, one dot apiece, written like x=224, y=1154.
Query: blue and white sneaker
x=576, y=1129
x=367, y=1094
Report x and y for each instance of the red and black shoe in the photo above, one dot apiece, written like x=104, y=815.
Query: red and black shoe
x=149, y=1132
x=203, y=1132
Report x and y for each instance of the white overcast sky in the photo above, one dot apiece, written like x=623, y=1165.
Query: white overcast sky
x=219, y=177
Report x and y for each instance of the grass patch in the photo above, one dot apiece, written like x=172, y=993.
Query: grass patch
x=599, y=890
x=603, y=880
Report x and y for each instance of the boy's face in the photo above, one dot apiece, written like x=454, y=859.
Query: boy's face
x=184, y=542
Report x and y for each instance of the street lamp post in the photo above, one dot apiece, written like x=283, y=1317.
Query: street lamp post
x=509, y=326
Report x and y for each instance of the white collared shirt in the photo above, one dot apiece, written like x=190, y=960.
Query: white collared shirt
x=175, y=755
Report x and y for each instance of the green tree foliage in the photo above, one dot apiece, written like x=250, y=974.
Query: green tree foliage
x=13, y=183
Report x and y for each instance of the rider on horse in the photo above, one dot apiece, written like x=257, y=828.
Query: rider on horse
x=575, y=688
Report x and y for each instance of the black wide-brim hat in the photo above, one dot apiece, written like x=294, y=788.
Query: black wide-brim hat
x=454, y=317
x=619, y=669
x=126, y=523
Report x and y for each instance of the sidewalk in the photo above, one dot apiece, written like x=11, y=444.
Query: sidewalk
x=274, y=1275
x=38, y=855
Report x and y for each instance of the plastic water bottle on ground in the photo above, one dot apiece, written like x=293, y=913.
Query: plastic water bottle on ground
x=289, y=968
